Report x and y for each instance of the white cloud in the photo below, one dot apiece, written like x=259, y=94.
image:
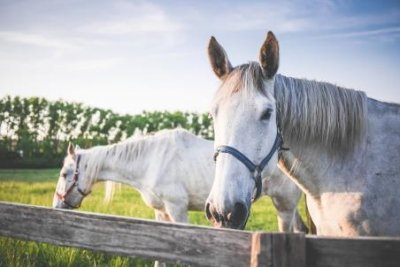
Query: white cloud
x=141, y=18
x=282, y=17
x=35, y=39
x=363, y=33
x=91, y=65
x=150, y=23
x=51, y=41
x=293, y=16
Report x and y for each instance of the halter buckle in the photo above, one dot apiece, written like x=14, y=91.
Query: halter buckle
x=257, y=172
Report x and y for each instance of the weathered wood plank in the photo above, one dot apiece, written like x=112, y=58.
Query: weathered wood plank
x=181, y=243
x=278, y=250
x=366, y=252
x=194, y=245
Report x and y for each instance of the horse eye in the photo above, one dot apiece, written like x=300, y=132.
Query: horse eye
x=64, y=175
x=266, y=115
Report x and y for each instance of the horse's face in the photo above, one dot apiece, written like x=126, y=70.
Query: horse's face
x=244, y=115
x=69, y=190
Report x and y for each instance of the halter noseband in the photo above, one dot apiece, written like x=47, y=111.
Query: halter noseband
x=61, y=196
x=254, y=169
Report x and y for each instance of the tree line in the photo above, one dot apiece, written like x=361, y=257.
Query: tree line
x=34, y=132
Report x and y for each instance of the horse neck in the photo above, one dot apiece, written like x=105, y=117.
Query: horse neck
x=321, y=123
x=129, y=168
x=312, y=171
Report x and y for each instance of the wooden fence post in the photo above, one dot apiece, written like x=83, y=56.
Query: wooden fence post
x=278, y=250
x=361, y=251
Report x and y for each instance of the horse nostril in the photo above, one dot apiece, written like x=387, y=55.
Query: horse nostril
x=238, y=216
x=208, y=213
x=212, y=214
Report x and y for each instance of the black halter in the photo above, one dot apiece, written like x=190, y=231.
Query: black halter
x=253, y=168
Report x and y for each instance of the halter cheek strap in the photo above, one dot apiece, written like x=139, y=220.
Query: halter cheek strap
x=254, y=169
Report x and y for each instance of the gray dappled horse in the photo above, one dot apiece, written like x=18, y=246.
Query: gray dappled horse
x=344, y=148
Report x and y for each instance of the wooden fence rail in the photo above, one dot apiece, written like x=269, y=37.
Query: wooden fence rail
x=188, y=244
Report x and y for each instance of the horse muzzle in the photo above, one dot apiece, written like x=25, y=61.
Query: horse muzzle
x=234, y=218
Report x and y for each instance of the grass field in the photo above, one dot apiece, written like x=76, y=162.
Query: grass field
x=37, y=187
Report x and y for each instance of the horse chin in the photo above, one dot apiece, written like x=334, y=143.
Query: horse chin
x=218, y=224
x=237, y=225
x=63, y=205
x=229, y=224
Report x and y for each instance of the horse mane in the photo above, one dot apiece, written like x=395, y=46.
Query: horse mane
x=310, y=113
x=125, y=153
x=320, y=114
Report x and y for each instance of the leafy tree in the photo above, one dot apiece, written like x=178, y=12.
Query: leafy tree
x=42, y=128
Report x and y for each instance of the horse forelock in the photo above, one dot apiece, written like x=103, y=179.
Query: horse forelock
x=320, y=115
x=246, y=79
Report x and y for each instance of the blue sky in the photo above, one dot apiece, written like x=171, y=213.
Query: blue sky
x=131, y=56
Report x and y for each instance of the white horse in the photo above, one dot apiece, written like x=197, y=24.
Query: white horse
x=344, y=147
x=172, y=169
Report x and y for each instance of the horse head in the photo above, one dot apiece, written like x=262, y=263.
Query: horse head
x=70, y=189
x=246, y=133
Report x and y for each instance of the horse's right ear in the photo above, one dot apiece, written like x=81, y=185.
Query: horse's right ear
x=269, y=55
x=218, y=58
x=71, y=149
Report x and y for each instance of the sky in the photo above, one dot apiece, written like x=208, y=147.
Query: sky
x=130, y=56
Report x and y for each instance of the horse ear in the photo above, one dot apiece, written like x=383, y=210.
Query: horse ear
x=71, y=149
x=218, y=58
x=269, y=56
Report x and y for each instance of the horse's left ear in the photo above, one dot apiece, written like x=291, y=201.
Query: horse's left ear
x=71, y=149
x=269, y=56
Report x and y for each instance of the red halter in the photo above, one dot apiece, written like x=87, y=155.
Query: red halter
x=61, y=196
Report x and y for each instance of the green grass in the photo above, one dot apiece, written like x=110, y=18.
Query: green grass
x=37, y=187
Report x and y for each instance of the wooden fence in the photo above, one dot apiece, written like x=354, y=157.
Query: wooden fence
x=188, y=244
